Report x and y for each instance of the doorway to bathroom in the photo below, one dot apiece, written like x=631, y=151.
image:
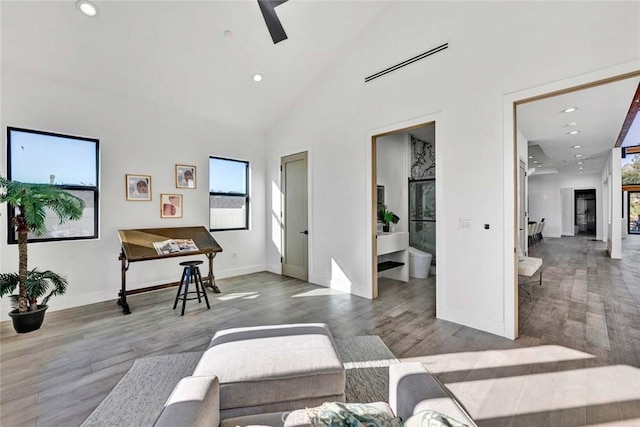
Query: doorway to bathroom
x=404, y=197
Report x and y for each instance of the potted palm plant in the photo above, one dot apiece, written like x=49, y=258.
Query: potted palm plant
x=388, y=217
x=31, y=202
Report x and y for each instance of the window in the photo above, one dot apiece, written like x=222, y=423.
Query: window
x=69, y=162
x=228, y=194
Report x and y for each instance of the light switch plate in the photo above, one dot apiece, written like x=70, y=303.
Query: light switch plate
x=464, y=224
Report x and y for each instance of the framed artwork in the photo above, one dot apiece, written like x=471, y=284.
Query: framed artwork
x=138, y=187
x=185, y=176
x=171, y=206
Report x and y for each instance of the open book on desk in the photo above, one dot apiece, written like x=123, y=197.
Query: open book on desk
x=172, y=246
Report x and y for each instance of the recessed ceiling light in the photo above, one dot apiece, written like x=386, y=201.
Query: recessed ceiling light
x=535, y=161
x=581, y=163
x=569, y=110
x=87, y=8
x=573, y=132
x=257, y=77
x=580, y=168
x=577, y=146
x=578, y=155
x=581, y=172
x=572, y=124
x=539, y=166
x=531, y=157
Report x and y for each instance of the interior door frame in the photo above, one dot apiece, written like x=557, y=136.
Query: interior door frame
x=372, y=185
x=510, y=137
x=277, y=208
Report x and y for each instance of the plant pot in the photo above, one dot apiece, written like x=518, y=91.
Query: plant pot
x=29, y=321
x=385, y=228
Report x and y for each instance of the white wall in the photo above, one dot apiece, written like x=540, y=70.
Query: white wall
x=612, y=179
x=467, y=84
x=393, y=171
x=134, y=138
x=545, y=201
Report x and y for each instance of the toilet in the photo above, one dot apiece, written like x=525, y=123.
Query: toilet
x=419, y=263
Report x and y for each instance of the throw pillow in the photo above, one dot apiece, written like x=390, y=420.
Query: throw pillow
x=431, y=419
x=334, y=414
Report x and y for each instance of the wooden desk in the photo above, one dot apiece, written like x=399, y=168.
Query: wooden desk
x=137, y=245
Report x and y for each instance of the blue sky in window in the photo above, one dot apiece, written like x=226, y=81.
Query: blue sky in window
x=227, y=176
x=37, y=158
x=633, y=135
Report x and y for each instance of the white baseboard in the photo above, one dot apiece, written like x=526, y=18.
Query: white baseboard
x=275, y=269
x=70, y=301
x=233, y=272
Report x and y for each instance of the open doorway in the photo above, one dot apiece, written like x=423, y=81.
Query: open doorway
x=565, y=156
x=404, y=214
x=584, y=219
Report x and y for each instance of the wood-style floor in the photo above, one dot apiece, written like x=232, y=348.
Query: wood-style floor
x=576, y=362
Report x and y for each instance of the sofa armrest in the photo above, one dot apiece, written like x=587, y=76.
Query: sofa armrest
x=412, y=389
x=194, y=402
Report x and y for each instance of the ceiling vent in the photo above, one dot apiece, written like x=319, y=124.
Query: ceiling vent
x=407, y=62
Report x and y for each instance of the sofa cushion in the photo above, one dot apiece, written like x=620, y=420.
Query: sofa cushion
x=430, y=418
x=194, y=402
x=269, y=364
x=337, y=413
x=412, y=388
x=271, y=419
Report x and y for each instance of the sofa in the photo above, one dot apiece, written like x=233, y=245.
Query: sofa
x=195, y=402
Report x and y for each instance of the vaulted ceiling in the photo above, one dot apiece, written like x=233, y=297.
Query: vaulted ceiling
x=176, y=54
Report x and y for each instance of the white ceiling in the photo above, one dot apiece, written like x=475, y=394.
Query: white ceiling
x=175, y=54
x=599, y=118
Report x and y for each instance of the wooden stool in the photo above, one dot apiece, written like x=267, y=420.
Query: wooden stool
x=190, y=273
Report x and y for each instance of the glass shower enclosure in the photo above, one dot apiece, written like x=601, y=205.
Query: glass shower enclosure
x=422, y=215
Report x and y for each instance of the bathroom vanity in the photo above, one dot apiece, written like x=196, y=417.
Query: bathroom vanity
x=393, y=255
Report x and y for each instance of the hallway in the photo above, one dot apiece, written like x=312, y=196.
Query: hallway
x=587, y=301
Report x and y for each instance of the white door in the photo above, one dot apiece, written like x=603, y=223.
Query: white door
x=566, y=196
x=294, y=216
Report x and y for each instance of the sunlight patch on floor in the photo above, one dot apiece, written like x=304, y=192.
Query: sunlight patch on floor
x=236, y=295
x=451, y=362
x=319, y=293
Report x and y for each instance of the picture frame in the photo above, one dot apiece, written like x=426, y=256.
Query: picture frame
x=170, y=205
x=138, y=187
x=185, y=176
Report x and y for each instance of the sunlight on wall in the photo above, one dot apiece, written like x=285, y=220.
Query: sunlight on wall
x=339, y=279
x=320, y=293
x=276, y=224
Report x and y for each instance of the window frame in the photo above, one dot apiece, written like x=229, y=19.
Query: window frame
x=11, y=234
x=245, y=194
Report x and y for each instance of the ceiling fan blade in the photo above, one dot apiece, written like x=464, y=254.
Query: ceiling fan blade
x=267, y=7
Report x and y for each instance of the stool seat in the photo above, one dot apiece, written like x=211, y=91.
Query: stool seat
x=190, y=263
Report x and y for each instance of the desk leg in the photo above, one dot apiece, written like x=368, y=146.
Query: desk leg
x=122, y=295
x=211, y=279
